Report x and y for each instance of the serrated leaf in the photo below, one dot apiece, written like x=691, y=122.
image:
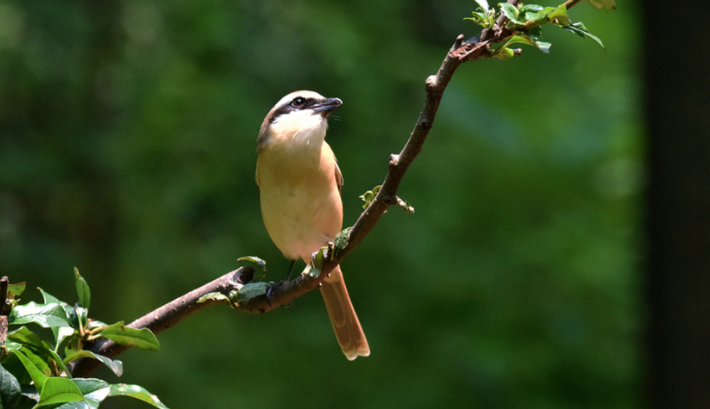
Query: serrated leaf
x=603, y=4
x=123, y=335
x=82, y=289
x=59, y=390
x=137, y=392
x=35, y=373
x=47, y=315
x=113, y=364
x=10, y=390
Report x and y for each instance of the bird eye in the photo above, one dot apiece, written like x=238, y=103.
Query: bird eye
x=298, y=102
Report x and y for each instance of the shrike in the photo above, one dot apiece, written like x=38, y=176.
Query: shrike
x=299, y=182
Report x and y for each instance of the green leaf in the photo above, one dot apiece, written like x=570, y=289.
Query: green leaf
x=503, y=53
x=559, y=16
x=115, y=365
x=581, y=30
x=604, y=4
x=251, y=290
x=82, y=289
x=94, y=391
x=137, y=392
x=511, y=12
x=46, y=315
x=256, y=260
x=37, y=350
x=123, y=335
x=59, y=390
x=35, y=373
x=369, y=196
x=525, y=39
x=215, y=296
x=484, y=4
x=479, y=18
x=15, y=290
x=10, y=391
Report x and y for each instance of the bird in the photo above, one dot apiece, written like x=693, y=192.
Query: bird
x=300, y=193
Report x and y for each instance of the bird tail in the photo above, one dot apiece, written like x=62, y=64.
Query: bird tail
x=342, y=315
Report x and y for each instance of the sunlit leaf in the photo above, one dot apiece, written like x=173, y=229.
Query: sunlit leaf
x=59, y=390
x=35, y=373
x=46, y=315
x=484, y=4
x=137, y=392
x=113, y=364
x=123, y=335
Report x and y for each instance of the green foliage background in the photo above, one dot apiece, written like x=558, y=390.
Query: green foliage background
x=127, y=149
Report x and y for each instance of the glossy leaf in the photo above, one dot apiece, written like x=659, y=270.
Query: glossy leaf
x=59, y=390
x=141, y=338
x=35, y=373
x=82, y=289
x=137, y=392
x=45, y=315
x=114, y=364
x=10, y=391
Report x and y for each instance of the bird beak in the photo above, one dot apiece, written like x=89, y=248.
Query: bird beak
x=326, y=107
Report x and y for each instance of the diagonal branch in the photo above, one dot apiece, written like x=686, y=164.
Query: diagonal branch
x=282, y=293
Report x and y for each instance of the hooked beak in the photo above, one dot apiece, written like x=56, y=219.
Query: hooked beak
x=326, y=107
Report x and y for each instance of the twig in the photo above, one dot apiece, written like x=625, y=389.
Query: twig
x=167, y=316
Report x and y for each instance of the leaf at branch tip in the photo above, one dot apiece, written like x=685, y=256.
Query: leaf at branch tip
x=256, y=260
x=581, y=30
x=15, y=290
x=559, y=16
x=604, y=4
x=123, y=335
x=511, y=12
x=484, y=4
x=503, y=53
x=82, y=289
x=369, y=196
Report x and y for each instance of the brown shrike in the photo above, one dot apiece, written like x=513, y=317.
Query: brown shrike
x=299, y=182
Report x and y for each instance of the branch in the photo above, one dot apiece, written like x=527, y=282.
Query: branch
x=166, y=316
x=284, y=292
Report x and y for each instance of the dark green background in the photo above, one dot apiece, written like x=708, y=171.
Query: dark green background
x=127, y=145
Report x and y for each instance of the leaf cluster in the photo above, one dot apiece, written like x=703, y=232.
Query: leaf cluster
x=33, y=370
x=525, y=21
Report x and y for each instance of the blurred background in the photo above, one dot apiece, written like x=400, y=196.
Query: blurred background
x=127, y=149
